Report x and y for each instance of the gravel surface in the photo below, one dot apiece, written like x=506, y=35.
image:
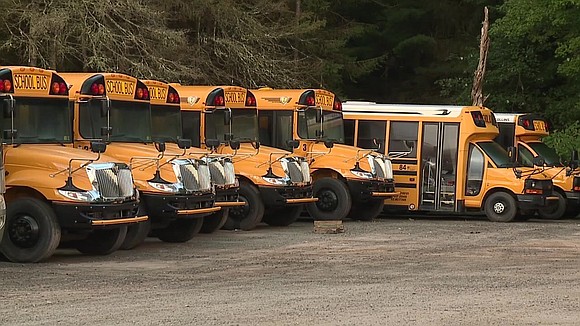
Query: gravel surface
x=418, y=271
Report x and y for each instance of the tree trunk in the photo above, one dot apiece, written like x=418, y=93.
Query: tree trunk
x=477, y=89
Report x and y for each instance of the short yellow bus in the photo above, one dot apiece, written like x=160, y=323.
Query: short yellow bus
x=525, y=132
x=348, y=181
x=274, y=183
x=166, y=127
x=174, y=193
x=445, y=159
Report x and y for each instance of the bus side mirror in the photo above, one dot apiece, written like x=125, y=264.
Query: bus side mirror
x=574, y=156
x=235, y=145
x=98, y=147
x=329, y=144
x=160, y=146
x=293, y=143
x=7, y=108
x=512, y=154
x=212, y=143
x=227, y=117
x=9, y=133
x=106, y=131
x=538, y=161
x=184, y=143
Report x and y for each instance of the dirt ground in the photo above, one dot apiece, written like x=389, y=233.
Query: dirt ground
x=418, y=271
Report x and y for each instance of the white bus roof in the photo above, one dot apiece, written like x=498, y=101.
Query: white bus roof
x=360, y=107
x=507, y=117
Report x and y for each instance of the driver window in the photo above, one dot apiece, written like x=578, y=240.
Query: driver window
x=403, y=138
x=372, y=134
x=474, y=171
x=525, y=157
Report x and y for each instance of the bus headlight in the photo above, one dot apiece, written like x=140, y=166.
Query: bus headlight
x=275, y=181
x=85, y=196
x=362, y=174
x=165, y=187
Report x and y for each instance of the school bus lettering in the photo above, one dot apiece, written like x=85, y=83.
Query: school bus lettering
x=324, y=100
x=30, y=82
x=157, y=93
x=120, y=87
x=235, y=97
x=539, y=125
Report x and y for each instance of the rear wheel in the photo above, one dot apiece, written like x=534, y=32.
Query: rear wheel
x=500, y=207
x=366, y=211
x=180, y=230
x=249, y=216
x=215, y=221
x=555, y=211
x=136, y=234
x=334, y=202
x=31, y=232
x=102, y=242
x=283, y=216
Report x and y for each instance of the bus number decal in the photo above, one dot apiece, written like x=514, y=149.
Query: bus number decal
x=120, y=87
x=304, y=147
x=157, y=93
x=235, y=97
x=403, y=167
x=30, y=82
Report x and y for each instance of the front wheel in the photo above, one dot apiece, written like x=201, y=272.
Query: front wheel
x=136, y=234
x=215, y=221
x=283, y=216
x=555, y=211
x=366, y=211
x=180, y=230
x=102, y=242
x=334, y=200
x=31, y=232
x=500, y=207
x=249, y=216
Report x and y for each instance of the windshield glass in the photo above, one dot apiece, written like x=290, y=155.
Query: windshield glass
x=166, y=123
x=332, y=125
x=130, y=121
x=244, y=124
x=40, y=121
x=547, y=153
x=497, y=153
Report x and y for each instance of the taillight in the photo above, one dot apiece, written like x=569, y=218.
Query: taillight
x=337, y=106
x=55, y=88
x=310, y=101
x=62, y=88
x=250, y=100
x=142, y=93
x=478, y=118
x=526, y=123
x=576, y=184
x=145, y=94
x=139, y=93
x=172, y=97
x=219, y=101
x=97, y=89
x=5, y=85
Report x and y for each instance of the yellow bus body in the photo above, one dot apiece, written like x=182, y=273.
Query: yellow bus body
x=431, y=148
x=525, y=133
x=347, y=195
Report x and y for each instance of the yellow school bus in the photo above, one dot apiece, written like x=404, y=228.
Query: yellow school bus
x=525, y=133
x=348, y=181
x=175, y=192
x=273, y=183
x=56, y=193
x=445, y=159
x=167, y=127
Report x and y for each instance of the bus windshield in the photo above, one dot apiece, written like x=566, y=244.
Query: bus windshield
x=498, y=154
x=166, y=123
x=547, y=153
x=244, y=125
x=131, y=122
x=40, y=121
x=332, y=125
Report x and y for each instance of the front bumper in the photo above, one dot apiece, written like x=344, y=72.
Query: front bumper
x=572, y=198
x=291, y=195
x=160, y=207
x=227, y=197
x=536, y=201
x=365, y=190
x=75, y=215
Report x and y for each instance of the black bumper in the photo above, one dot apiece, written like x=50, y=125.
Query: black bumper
x=279, y=196
x=362, y=190
x=535, y=201
x=167, y=206
x=226, y=195
x=88, y=215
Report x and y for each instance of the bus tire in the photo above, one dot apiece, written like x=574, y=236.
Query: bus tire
x=555, y=211
x=283, y=216
x=334, y=201
x=31, y=233
x=102, y=242
x=136, y=234
x=366, y=211
x=249, y=216
x=215, y=221
x=180, y=230
x=500, y=207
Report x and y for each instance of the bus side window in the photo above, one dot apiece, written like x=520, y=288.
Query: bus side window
x=372, y=134
x=403, y=139
x=475, y=167
x=349, y=132
x=525, y=157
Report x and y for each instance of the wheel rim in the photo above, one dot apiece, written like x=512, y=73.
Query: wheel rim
x=327, y=200
x=24, y=231
x=499, y=207
x=240, y=212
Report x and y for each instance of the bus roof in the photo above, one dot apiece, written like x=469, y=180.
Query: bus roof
x=111, y=84
x=161, y=93
x=32, y=81
x=199, y=97
x=360, y=107
x=508, y=117
x=288, y=99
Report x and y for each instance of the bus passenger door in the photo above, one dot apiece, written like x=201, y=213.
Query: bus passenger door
x=438, y=170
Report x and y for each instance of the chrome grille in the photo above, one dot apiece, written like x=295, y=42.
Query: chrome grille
x=217, y=172
x=388, y=169
x=189, y=177
x=305, y=171
x=204, y=177
x=230, y=173
x=114, y=182
x=125, y=182
x=378, y=168
x=294, y=172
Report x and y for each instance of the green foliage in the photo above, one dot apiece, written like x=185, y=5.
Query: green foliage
x=566, y=140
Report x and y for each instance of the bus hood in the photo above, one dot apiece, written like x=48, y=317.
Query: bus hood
x=251, y=164
x=341, y=157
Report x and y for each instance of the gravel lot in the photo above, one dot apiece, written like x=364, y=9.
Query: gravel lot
x=418, y=271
